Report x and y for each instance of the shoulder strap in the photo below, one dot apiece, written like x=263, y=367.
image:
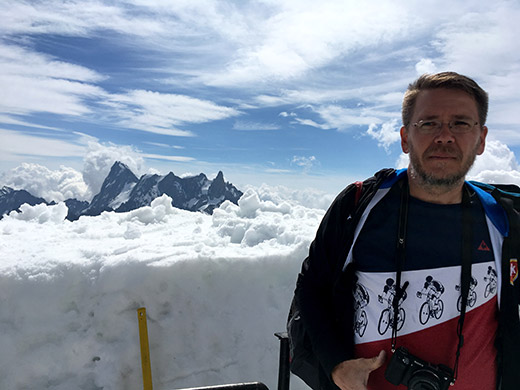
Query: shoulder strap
x=359, y=189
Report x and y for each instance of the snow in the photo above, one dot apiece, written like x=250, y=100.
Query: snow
x=123, y=196
x=216, y=288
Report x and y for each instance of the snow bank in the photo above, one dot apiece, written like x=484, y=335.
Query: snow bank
x=215, y=288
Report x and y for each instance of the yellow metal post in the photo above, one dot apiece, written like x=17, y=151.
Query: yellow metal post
x=145, y=349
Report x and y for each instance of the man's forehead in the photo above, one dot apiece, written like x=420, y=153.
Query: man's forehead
x=457, y=103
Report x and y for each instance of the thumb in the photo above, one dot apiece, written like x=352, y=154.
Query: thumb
x=378, y=360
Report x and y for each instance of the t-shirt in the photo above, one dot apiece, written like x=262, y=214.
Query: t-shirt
x=430, y=309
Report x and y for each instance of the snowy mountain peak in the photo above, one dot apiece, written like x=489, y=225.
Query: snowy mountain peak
x=11, y=199
x=123, y=191
x=5, y=190
x=119, y=180
x=193, y=193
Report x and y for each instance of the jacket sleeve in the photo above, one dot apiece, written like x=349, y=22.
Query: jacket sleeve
x=315, y=289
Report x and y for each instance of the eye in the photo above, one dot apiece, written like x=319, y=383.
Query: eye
x=428, y=125
x=461, y=125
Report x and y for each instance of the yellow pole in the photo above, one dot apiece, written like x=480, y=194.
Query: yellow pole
x=145, y=349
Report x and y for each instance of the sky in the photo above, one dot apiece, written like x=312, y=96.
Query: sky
x=215, y=288
x=303, y=94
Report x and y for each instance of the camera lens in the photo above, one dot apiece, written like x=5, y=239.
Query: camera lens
x=424, y=380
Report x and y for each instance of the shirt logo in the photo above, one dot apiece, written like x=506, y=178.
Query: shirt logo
x=483, y=247
x=513, y=270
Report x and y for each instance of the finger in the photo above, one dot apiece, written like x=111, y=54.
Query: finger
x=378, y=361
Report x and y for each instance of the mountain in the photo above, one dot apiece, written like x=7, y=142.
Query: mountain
x=75, y=207
x=114, y=190
x=141, y=194
x=11, y=199
x=196, y=193
x=122, y=191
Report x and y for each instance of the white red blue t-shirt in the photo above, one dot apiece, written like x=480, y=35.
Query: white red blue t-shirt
x=429, y=313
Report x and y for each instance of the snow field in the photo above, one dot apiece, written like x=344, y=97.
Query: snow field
x=215, y=288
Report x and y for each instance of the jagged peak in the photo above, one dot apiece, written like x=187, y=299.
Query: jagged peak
x=220, y=176
x=6, y=190
x=148, y=176
x=118, y=166
x=118, y=169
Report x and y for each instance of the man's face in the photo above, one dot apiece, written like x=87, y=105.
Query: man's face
x=443, y=158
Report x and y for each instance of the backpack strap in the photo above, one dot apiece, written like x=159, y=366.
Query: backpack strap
x=359, y=189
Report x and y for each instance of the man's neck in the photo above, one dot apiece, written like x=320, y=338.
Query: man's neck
x=435, y=194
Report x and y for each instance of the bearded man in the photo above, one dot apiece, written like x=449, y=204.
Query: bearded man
x=407, y=225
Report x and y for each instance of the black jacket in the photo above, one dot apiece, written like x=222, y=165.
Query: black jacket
x=324, y=291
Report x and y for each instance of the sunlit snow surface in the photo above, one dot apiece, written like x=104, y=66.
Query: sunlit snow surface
x=215, y=288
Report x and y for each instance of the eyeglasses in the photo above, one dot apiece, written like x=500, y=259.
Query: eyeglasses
x=458, y=126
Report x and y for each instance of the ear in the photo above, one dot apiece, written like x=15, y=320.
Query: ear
x=482, y=140
x=404, y=139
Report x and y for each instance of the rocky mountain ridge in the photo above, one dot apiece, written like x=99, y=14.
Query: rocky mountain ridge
x=122, y=191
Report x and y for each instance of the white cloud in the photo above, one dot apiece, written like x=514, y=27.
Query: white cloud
x=34, y=82
x=425, y=65
x=161, y=112
x=498, y=164
x=493, y=31
x=78, y=18
x=254, y=126
x=341, y=118
x=304, y=162
x=286, y=48
x=67, y=182
x=308, y=197
x=18, y=60
x=403, y=161
x=386, y=134
x=163, y=145
x=310, y=122
x=16, y=145
x=100, y=158
x=11, y=120
x=168, y=157
x=57, y=185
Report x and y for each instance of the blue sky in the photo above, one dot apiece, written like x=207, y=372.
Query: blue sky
x=278, y=92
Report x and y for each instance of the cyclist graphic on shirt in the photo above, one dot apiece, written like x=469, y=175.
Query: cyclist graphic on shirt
x=472, y=295
x=433, y=289
x=361, y=300
x=389, y=293
x=492, y=282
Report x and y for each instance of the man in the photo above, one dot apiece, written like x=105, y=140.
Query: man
x=443, y=131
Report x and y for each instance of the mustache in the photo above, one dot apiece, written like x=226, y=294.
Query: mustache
x=449, y=150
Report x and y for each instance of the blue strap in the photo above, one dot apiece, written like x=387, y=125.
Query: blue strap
x=393, y=178
x=493, y=210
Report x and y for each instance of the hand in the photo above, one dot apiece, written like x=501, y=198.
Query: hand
x=353, y=374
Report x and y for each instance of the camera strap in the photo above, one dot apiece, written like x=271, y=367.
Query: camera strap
x=467, y=239
x=465, y=276
x=401, y=256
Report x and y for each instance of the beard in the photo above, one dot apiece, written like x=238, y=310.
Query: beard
x=441, y=180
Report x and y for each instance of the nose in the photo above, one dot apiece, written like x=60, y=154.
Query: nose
x=444, y=135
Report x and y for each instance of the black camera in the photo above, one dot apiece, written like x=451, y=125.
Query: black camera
x=417, y=374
